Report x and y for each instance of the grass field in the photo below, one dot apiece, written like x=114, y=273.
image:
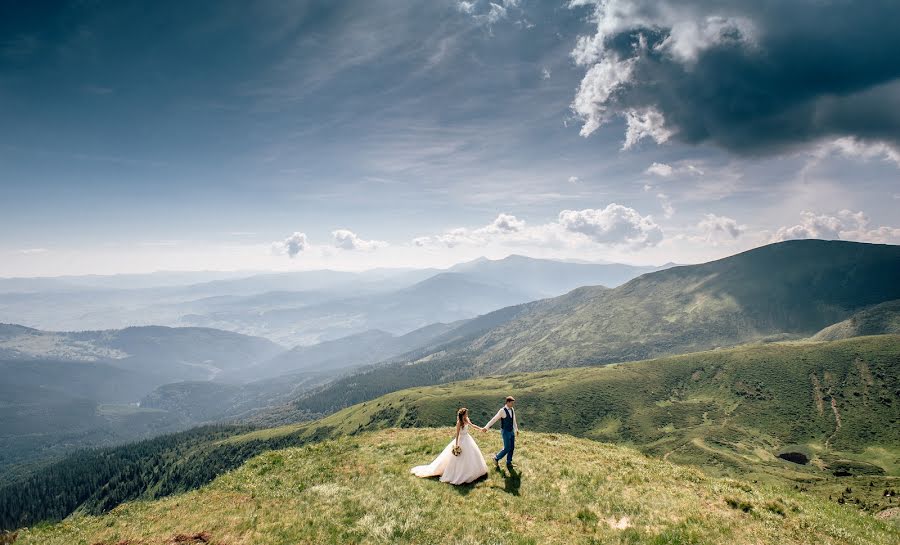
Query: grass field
x=566, y=490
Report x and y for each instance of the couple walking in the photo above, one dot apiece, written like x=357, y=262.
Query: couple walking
x=461, y=461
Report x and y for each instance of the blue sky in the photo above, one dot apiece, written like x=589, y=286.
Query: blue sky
x=293, y=135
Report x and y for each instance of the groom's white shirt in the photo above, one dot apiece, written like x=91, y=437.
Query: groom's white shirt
x=501, y=414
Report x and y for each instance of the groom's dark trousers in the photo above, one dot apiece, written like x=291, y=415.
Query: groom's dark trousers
x=509, y=445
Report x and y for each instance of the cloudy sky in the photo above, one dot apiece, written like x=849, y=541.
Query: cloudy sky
x=310, y=134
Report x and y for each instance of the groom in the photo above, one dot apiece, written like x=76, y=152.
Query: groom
x=509, y=429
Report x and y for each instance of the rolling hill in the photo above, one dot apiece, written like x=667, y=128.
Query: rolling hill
x=878, y=320
x=788, y=290
x=344, y=354
x=566, y=490
x=166, y=353
x=303, y=307
x=67, y=390
x=731, y=412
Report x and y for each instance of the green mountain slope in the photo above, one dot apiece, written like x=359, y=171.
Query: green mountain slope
x=733, y=409
x=567, y=490
x=731, y=412
x=781, y=291
x=878, y=320
x=794, y=287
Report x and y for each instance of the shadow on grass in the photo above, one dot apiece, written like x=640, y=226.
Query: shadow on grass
x=512, y=480
x=461, y=489
x=464, y=489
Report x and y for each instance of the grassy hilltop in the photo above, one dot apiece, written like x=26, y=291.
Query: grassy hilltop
x=883, y=319
x=733, y=409
x=567, y=490
x=732, y=412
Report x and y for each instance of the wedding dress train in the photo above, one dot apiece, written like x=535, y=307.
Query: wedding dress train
x=462, y=469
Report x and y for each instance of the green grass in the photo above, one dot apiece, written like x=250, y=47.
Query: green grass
x=730, y=412
x=878, y=320
x=749, y=401
x=567, y=490
x=727, y=412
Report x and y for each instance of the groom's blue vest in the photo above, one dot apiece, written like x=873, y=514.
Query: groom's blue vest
x=506, y=424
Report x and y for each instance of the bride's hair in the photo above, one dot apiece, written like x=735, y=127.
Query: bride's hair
x=461, y=416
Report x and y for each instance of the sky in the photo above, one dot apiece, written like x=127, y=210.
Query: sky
x=278, y=135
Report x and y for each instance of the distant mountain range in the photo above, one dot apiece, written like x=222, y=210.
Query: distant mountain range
x=298, y=307
x=788, y=290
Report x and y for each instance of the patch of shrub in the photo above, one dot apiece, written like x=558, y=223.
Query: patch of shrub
x=743, y=505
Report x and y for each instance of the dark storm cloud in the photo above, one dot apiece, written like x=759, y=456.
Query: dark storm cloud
x=752, y=77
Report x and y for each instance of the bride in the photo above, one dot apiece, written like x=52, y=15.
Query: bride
x=457, y=465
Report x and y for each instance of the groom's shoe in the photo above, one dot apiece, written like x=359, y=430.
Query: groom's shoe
x=497, y=463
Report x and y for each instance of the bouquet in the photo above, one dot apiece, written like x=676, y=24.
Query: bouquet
x=456, y=450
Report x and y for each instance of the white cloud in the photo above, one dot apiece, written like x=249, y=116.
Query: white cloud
x=292, y=245
x=506, y=223
x=687, y=38
x=712, y=225
x=600, y=82
x=664, y=170
x=348, y=240
x=645, y=123
x=660, y=169
x=844, y=225
x=503, y=226
x=489, y=13
x=33, y=251
x=666, y=204
x=466, y=7
x=574, y=179
x=615, y=224
x=545, y=73
x=610, y=71
x=854, y=147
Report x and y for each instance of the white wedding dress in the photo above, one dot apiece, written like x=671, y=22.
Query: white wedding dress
x=462, y=469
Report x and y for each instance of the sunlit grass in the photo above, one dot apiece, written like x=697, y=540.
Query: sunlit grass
x=358, y=490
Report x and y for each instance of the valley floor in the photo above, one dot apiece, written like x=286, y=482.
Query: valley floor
x=358, y=490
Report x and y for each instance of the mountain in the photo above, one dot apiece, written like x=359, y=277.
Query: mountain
x=788, y=290
x=346, y=353
x=822, y=415
x=792, y=288
x=445, y=297
x=113, y=302
x=304, y=307
x=548, y=278
x=202, y=402
x=567, y=490
x=878, y=320
x=169, y=354
x=68, y=390
x=265, y=387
